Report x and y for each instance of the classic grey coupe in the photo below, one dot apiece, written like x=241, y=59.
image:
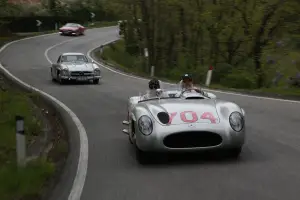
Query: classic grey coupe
x=184, y=122
x=76, y=67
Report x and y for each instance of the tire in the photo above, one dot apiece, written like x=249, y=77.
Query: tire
x=61, y=81
x=130, y=138
x=235, y=152
x=96, y=81
x=52, y=78
x=143, y=157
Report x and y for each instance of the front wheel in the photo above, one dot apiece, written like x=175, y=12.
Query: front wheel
x=143, y=157
x=51, y=73
x=235, y=152
x=60, y=80
x=96, y=81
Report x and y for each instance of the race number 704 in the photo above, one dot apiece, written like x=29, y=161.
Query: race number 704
x=193, y=117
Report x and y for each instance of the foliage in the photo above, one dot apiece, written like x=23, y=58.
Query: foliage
x=79, y=9
x=235, y=35
x=27, y=182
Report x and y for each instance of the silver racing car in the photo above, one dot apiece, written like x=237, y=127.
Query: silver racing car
x=184, y=122
x=75, y=66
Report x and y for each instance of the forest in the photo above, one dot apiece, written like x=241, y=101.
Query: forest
x=250, y=43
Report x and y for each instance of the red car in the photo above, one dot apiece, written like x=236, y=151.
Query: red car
x=72, y=29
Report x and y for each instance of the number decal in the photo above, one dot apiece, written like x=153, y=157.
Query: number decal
x=184, y=119
x=209, y=116
x=172, y=115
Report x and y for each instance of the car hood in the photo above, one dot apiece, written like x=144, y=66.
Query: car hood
x=180, y=110
x=78, y=66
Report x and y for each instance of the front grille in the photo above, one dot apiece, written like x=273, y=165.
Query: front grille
x=81, y=73
x=192, y=139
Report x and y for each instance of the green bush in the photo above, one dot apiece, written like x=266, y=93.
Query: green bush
x=220, y=71
x=239, y=79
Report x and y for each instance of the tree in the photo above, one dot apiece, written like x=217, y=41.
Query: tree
x=190, y=35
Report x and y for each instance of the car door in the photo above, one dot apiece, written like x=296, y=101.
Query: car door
x=81, y=28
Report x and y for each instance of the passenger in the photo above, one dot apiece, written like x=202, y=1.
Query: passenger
x=153, y=92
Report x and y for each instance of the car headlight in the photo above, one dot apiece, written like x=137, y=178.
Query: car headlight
x=236, y=121
x=65, y=72
x=97, y=72
x=145, y=125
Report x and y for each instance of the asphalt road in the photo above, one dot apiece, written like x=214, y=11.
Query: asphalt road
x=269, y=167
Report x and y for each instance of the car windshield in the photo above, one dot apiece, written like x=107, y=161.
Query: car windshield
x=71, y=25
x=171, y=92
x=74, y=58
x=168, y=92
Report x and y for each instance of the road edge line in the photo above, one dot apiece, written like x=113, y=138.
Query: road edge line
x=77, y=188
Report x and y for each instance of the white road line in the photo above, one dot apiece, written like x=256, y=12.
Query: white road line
x=230, y=93
x=56, y=45
x=79, y=180
x=81, y=173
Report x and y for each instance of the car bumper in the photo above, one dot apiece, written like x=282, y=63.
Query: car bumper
x=158, y=142
x=67, y=32
x=78, y=78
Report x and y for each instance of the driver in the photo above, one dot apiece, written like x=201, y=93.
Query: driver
x=187, y=84
x=153, y=85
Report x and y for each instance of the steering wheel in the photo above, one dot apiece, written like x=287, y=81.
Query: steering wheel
x=196, y=90
x=189, y=90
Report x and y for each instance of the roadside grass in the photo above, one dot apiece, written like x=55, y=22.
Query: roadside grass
x=36, y=179
x=20, y=183
x=116, y=55
x=40, y=175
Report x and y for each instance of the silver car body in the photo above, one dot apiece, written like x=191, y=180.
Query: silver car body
x=211, y=130
x=75, y=66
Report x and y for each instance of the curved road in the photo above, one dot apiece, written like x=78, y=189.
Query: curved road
x=269, y=167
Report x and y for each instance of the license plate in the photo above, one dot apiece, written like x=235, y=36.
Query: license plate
x=82, y=78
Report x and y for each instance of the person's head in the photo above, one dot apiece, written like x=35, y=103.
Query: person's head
x=187, y=79
x=154, y=84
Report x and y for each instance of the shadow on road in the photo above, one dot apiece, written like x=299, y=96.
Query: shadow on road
x=199, y=158
x=71, y=83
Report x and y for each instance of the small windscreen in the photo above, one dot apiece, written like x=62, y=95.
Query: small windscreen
x=71, y=25
x=74, y=58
